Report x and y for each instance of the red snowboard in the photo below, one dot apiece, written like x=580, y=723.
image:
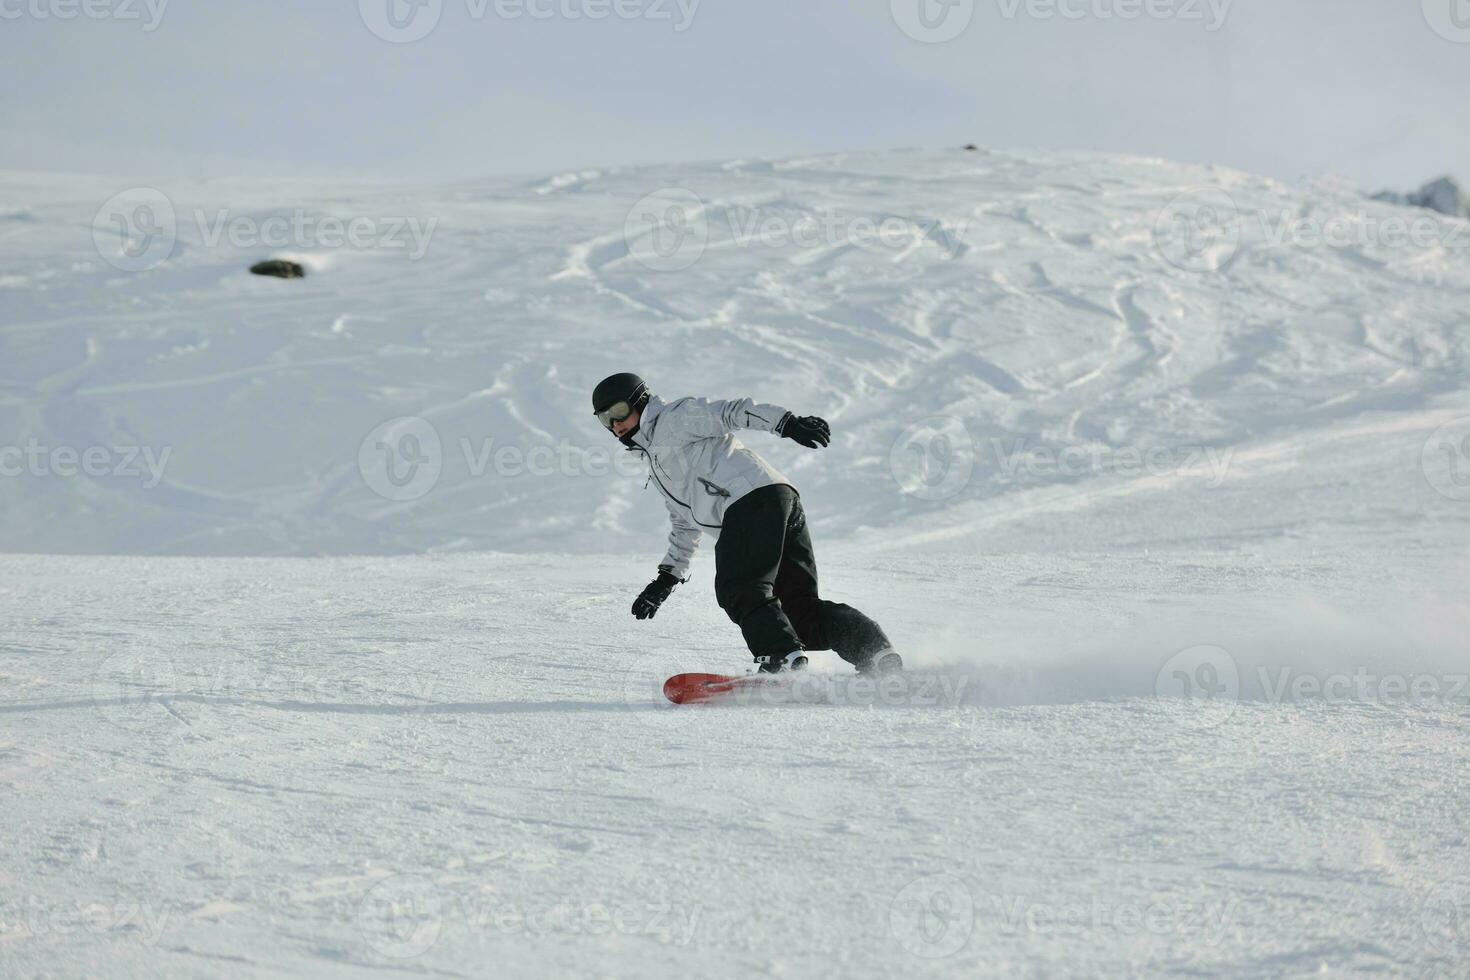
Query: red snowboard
x=695, y=688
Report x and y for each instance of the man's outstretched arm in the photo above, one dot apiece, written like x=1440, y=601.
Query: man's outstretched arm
x=700, y=418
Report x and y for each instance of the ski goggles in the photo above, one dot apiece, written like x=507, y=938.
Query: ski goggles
x=615, y=412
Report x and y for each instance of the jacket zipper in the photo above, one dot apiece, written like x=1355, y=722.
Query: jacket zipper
x=653, y=471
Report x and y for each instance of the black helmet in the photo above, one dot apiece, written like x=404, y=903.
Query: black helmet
x=624, y=387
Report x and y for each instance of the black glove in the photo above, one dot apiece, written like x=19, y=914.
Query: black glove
x=808, y=430
x=653, y=595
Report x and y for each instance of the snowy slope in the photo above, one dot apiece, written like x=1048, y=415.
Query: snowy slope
x=460, y=766
x=949, y=312
x=1108, y=431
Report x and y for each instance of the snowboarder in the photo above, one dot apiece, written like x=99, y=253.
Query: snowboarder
x=765, y=571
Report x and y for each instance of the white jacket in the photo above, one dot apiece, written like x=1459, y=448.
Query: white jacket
x=699, y=466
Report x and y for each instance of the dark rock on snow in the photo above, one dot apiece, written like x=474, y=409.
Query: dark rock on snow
x=280, y=268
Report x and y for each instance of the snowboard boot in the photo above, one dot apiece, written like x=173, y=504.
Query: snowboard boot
x=883, y=662
x=795, y=660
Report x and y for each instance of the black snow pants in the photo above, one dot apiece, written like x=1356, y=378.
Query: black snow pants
x=766, y=581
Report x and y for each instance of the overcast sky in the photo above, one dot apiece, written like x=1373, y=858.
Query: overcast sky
x=1373, y=90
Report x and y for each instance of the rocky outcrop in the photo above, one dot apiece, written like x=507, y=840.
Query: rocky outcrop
x=1442, y=195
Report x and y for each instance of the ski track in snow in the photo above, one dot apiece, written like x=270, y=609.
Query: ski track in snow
x=259, y=720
